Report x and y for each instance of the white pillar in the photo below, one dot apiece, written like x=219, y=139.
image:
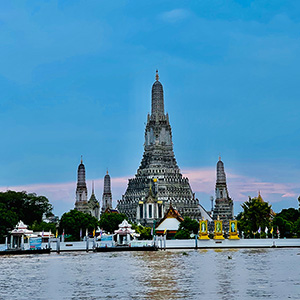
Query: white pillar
x=22, y=242
x=87, y=244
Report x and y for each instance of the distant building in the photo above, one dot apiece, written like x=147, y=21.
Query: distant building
x=169, y=224
x=158, y=180
x=82, y=204
x=223, y=203
x=107, y=195
x=94, y=204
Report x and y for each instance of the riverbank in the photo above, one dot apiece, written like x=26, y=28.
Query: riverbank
x=184, y=244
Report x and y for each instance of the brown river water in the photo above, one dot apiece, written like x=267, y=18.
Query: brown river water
x=173, y=274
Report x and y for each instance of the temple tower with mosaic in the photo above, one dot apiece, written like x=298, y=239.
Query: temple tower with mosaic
x=158, y=180
x=223, y=203
x=81, y=202
x=107, y=196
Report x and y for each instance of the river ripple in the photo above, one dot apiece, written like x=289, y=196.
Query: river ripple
x=201, y=274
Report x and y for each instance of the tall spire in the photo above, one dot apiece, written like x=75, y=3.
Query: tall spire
x=81, y=159
x=81, y=176
x=81, y=190
x=157, y=103
x=223, y=204
x=156, y=75
x=221, y=177
x=107, y=196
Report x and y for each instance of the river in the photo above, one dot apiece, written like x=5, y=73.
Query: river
x=177, y=274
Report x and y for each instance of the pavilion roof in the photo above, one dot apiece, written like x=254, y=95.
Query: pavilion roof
x=171, y=213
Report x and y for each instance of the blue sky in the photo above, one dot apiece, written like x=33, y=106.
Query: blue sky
x=76, y=77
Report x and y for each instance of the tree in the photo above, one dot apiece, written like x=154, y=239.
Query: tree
x=182, y=234
x=297, y=227
x=189, y=224
x=145, y=232
x=74, y=221
x=257, y=213
x=15, y=206
x=110, y=221
x=285, y=221
x=43, y=226
x=186, y=227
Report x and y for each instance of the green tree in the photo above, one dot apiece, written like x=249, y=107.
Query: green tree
x=145, y=232
x=186, y=227
x=256, y=213
x=8, y=219
x=285, y=221
x=297, y=227
x=182, y=234
x=189, y=224
x=15, y=206
x=43, y=226
x=74, y=221
x=110, y=221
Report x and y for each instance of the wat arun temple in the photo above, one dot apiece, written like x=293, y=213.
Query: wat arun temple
x=158, y=182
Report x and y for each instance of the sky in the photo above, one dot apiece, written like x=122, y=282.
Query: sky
x=76, y=77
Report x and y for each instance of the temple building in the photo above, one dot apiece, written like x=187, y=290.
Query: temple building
x=82, y=204
x=223, y=203
x=169, y=224
x=158, y=180
x=107, y=196
x=94, y=204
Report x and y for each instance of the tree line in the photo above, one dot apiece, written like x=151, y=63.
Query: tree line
x=257, y=217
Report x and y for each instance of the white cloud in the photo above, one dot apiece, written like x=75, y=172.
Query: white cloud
x=241, y=186
x=175, y=15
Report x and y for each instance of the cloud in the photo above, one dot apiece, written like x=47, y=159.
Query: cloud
x=62, y=195
x=241, y=186
x=175, y=15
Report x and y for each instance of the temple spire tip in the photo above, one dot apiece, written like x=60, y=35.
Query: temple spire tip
x=156, y=75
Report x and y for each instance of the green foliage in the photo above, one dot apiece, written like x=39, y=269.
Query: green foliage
x=43, y=226
x=145, y=232
x=110, y=221
x=286, y=222
x=297, y=227
x=256, y=214
x=182, y=234
x=74, y=220
x=192, y=226
x=186, y=227
x=15, y=206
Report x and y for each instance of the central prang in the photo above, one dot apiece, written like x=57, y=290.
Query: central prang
x=158, y=181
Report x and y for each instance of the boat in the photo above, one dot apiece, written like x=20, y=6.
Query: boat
x=124, y=239
x=17, y=245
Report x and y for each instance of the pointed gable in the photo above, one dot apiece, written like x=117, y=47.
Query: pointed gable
x=170, y=221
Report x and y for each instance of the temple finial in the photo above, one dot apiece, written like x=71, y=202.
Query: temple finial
x=93, y=187
x=81, y=159
x=156, y=75
x=220, y=157
x=107, y=171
